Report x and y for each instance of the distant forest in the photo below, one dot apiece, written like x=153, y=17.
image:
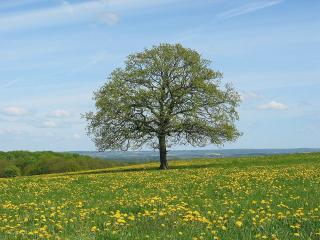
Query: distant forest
x=23, y=163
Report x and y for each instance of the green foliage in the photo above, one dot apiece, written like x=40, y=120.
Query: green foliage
x=34, y=163
x=11, y=171
x=164, y=95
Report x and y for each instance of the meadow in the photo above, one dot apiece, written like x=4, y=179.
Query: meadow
x=273, y=197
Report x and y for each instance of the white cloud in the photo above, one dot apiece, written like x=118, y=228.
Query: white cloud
x=109, y=18
x=65, y=13
x=11, y=131
x=9, y=84
x=59, y=113
x=16, y=3
x=248, y=8
x=15, y=111
x=69, y=13
x=273, y=105
x=132, y=4
x=247, y=96
x=68, y=6
x=49, y=124
x=76, y=136
x=96, y=59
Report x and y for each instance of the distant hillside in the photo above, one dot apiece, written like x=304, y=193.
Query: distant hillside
x=33, y=163
x=150, y=156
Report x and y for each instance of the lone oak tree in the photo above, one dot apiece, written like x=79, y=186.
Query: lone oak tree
x=164, y=95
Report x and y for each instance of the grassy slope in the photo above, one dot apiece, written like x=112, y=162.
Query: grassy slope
x=239, y=162
x=275, y=197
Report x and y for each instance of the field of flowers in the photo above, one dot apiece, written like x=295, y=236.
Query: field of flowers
x=241, y=198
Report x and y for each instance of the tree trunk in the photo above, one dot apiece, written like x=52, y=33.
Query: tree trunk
x=163, y=152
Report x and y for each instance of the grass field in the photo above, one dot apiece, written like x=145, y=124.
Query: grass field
x=275, y=197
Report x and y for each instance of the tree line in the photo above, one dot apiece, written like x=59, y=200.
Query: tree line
x=24, y=163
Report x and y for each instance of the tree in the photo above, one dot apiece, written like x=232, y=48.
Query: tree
x=12, y=171
x=163, y=96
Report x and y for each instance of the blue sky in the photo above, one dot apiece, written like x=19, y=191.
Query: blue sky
x=55, y=53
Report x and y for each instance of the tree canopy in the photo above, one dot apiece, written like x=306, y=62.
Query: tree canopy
x=163, y=96
x=25, y=163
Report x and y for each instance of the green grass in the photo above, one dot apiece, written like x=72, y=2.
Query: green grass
x=274, y=197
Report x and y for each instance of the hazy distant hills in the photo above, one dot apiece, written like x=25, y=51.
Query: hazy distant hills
x=145, y=156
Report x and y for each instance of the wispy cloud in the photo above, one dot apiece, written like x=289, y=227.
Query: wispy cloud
x=9, y=131
x=109, y=18
x=49, y=124
x=14, y=111
x=248, y=8
x=132, y=4
x=94, y=60
x=16, y=3
x=249, y=95
x=101, y=11
x=9, y=84
x=65, y=13
x=59, y=113
x=76, y=136
x=273, y=105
